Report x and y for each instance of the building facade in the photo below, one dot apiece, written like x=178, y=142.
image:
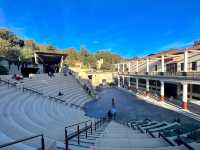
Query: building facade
x=172, y=75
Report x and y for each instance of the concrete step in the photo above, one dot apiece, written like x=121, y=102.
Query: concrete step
x=117, y=136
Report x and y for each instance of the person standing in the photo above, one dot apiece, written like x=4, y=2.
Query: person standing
x=113, y=112
x=113, y=109
x=113, y=102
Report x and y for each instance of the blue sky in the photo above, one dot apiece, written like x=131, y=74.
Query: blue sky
x=127, y=27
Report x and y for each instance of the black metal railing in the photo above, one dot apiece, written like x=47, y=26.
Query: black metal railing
x=26, y=139
x=82, y=127
x=175, y=75
x=31, y=90
x=166, y=139
x=156, y=97
x=57, y=99
x=150, y=133
x=181, y=142
x=8, y=82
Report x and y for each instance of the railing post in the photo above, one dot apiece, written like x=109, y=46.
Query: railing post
x=66, y=140
x=42, y=143
x=95, y=126
x=99, y=122
x=78, y=131
x=159, y=134
x=86, y=130
x=91, y=128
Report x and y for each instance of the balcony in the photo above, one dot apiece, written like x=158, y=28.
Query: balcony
x=195, y=76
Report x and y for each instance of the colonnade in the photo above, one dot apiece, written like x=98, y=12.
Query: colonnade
x=162, y=83
x=162, y=88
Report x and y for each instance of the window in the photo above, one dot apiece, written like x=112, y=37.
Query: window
x=182, y=66
x=156, y=67
x=194, y=66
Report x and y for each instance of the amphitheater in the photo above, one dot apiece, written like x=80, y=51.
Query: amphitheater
x=34, y=117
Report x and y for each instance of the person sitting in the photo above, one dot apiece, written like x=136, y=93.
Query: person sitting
x=60, y=94
x=14, y=76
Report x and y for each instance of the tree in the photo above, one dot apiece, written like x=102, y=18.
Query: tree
x=116, y=58
x=108, y=59
x=11, y=38
x=10, y=44
x=13, y=54
x=71, y=54
x=83, y=56
x=26, y=53
x=6, y=35
x=91, y=59
x=4, y=46
x=84, y=52
x=50, y=47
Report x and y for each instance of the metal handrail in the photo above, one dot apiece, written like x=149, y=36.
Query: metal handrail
x=55, y=98
x=185, y=144
x=8, y=82
x=166, y=139
x=32, y=90
x=37, y=92
x=78, y=123
x=26, y=139
x=84, y=129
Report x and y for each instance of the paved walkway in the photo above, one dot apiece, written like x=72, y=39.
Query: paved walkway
x=131, y=107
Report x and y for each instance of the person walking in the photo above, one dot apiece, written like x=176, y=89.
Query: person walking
x=113, y=102
x=113, y=109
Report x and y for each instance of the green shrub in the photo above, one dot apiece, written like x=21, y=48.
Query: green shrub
x=3, y=70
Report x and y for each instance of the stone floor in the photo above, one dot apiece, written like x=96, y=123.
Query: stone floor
x=131, y=107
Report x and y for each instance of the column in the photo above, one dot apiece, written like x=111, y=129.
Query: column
x=123, y=81
x=191, y=89
x=137, y=66
x=123, y=68
x=185, y=96
x=162, y=91
x=129, y=81
x=147, y=65
x=147, y=87
x=61, y=64
x=118, y=67
x=186, y=61
x=118, y=81
x=136, y=84
x=35, y=57
x=129, y=67
x=162, y=64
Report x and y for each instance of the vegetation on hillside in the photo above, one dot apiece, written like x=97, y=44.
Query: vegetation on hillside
x=14, y=49
x=89, y=60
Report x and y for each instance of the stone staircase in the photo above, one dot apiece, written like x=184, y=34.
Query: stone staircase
x=23, y=114
x=120, y=137
x=87, y=140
